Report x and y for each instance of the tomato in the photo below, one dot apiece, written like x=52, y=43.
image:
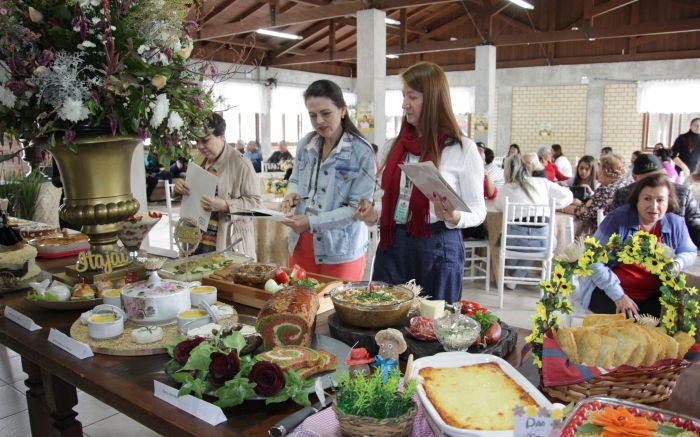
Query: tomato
x=470, y=308
x=298, y=273
x=281, y=277
x=658, y=417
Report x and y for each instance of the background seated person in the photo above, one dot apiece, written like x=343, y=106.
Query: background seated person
x=647, y=165
x=630, y=288
x=280, y=155
x=178, y=168
x=254, y=155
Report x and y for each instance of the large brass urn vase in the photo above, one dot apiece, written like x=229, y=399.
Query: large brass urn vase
x=97, y=187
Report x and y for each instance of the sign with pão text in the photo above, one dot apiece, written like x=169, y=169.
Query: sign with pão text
x=537, y=422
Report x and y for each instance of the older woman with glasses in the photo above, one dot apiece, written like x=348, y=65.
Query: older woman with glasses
x=238, y=187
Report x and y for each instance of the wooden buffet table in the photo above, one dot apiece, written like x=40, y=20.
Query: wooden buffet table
x=126, y=383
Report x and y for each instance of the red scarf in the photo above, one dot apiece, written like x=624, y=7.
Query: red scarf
x=418, y=223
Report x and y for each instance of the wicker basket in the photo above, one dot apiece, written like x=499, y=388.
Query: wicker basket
x=359, y=426
x=644, y=385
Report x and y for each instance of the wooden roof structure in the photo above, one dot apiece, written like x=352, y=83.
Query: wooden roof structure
x=555, y=32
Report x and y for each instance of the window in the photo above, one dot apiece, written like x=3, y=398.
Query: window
x=664, y=128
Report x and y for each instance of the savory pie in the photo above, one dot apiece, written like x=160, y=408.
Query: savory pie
x=478, y=397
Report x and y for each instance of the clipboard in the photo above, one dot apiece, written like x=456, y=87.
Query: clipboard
x=263, y=213
x=427, y=178
x=201, y=183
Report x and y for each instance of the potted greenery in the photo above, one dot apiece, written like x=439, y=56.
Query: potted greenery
x=96, y=77
x=370, y=406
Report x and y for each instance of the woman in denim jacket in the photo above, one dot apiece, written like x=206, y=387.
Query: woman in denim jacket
x=631, y=289
x=334, y=168
x=420, y=236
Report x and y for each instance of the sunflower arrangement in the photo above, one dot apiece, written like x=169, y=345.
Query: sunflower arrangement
x=677, y=299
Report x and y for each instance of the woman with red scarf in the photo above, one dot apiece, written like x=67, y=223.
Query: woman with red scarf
x=419, y=236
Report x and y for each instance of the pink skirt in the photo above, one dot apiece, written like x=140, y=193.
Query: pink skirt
x=304, y=256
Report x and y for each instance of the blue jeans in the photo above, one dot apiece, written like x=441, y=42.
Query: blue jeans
x=435, y=262
x=536, y=245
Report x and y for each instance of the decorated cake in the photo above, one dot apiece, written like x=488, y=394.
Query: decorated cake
x=17, y=258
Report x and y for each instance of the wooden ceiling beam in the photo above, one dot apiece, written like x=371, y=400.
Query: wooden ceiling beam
x=390, y=29
x=312, y=2
x=551, y=27
x=515, y=23
x=690, y=25
x=387, y=5
x=610, y=6
x=306, y=33
x=219, y=8
x=307, y=15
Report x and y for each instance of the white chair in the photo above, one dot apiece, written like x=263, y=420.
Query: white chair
x=526, y=215
x=478, y=266
x=570, y=232
x=498, y=160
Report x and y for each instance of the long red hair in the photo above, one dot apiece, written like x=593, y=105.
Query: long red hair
x=436, y=113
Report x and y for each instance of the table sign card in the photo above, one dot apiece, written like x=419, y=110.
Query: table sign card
x=537, y=422
x=203, y=410
x=74, y=347
x=20, y=319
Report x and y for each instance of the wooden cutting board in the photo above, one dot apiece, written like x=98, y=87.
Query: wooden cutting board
x=256, y=298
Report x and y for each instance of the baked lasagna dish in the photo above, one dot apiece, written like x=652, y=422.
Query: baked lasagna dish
x=475, y=397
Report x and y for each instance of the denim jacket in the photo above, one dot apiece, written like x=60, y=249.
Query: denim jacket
x=625, y=221
x=330, y=193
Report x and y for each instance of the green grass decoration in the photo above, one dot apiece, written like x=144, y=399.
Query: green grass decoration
x=371, y=397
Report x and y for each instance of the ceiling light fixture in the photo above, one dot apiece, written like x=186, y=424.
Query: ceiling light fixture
x=392, y=56
x=278, y=34
x=522, y=3
x=388, y=20
x=452, y=38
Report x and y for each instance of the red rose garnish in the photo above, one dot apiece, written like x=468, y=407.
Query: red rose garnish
x=223, y=367
x=181, y=353
x=268, y=377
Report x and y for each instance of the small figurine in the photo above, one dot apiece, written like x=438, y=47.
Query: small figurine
x=359, y=361
x=391, y=343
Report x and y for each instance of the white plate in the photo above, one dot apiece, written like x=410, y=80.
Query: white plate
x=459, y=359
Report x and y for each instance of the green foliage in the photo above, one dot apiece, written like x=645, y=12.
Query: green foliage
x=234, y=392
x=22, y=193
x=295, y=388
x=372, y=397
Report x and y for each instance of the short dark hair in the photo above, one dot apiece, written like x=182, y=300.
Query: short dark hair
x=488, y=155
x=480, y=145
x=216, y=125
x=637, y=153
x=557, y=149
x=514, y=146
x=663, y=154
x=653, y=181
x=606, y=150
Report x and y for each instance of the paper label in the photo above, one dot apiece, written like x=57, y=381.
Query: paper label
x=20, y=319
x=74, y=347
x=203, y=410
x=537, y=422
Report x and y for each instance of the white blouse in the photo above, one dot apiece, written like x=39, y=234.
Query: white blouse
x=463, y=170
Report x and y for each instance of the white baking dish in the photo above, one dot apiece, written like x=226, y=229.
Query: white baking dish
x=459, y=359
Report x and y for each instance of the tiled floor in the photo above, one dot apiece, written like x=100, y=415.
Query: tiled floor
x=100, y=420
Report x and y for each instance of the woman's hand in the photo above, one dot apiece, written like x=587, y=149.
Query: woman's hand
x=626, y=306
x=210, y=203
x=366, y=212
x=445, y=211
x=290, y=202
x=181, y=187
x=298, y=223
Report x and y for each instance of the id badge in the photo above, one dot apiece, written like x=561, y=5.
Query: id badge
x=401, y=212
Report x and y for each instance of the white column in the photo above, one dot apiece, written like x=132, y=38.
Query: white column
x=485, y=104
x=505, y=119
x=265, y=123
x=594, y=118
x=371, y=69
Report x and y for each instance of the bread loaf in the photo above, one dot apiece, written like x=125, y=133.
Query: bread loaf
x=288, y=318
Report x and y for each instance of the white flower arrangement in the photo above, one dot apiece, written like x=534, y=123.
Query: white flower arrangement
x=160, y=110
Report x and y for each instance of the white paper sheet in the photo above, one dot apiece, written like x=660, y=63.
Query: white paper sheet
x=201, y=183
x=263, y=213
x=426, y=177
